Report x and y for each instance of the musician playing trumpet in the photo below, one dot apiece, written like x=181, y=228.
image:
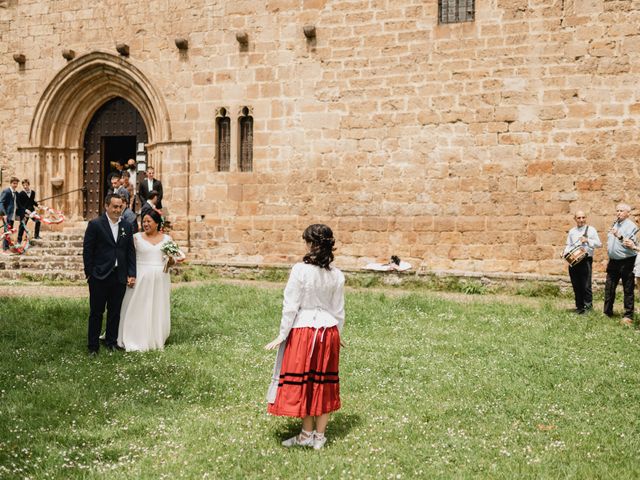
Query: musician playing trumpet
x=622, y=250
x=585, y=237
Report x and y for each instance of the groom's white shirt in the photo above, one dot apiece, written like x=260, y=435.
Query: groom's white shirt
x=114, y=231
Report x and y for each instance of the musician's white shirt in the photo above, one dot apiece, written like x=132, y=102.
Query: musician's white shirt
x=593, y=240
x=616, y=250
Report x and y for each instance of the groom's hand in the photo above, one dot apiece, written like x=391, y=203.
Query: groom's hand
x=131, y=282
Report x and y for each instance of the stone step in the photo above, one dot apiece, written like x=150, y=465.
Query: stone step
x=20, y=262
x=44, y=255
x=38, y=275
x=58, y=237
x=53, y=252
x=56, y=256
x=43, y=262
x=56, y=244
x=50, y=255
x=74, y=230
x=61, y=248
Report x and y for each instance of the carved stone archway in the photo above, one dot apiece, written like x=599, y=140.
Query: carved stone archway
x=54, y=155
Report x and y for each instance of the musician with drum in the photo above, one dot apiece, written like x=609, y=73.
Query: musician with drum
x=581, y=242
x=621, y=244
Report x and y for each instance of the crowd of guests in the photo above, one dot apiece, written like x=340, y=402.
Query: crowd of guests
x=16, y=206
x=140, y=191
x=623, y=265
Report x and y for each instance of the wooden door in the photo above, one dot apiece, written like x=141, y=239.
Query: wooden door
x=116, y=118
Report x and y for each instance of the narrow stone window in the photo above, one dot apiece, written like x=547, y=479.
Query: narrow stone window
x=223, y=141
x=245, y=158
x=454, y=11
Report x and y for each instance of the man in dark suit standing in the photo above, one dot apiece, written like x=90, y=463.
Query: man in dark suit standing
x=149, y=184
x=110, y=267
x=27, y=201
x=149, y=205
x=9, y=206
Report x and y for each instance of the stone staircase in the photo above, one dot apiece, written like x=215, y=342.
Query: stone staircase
x=57, y=256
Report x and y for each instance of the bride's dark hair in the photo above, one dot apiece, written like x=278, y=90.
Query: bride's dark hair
x=321, y=250
x=156, y=217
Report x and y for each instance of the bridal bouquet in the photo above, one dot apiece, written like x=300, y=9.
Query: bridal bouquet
x=171, y=250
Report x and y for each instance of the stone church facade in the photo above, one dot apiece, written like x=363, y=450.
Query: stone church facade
x=461, y=146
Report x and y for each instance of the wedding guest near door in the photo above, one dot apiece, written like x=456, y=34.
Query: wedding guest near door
x=133, y=181
x=150, y=204
x=148, y=185
x=27, y=201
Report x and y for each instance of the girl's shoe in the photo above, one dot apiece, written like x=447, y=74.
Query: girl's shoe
x=303, y=439
x=319, y=440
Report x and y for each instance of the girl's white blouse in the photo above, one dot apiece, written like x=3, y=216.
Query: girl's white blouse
x=313, y=297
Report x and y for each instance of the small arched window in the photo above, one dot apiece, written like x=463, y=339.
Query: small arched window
x=223, y=141
x=245, y=157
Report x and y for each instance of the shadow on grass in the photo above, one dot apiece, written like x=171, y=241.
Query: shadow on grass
x=340, y=424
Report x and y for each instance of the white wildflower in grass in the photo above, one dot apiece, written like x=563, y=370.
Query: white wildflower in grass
x=431, y=388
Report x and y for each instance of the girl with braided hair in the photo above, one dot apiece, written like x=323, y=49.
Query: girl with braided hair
x=305, y=381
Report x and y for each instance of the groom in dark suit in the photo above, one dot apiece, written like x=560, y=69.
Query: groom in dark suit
x=110, y=267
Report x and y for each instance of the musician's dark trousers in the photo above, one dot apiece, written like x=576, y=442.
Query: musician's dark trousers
x=581, y=281
x=620, y=270
x=108, y=292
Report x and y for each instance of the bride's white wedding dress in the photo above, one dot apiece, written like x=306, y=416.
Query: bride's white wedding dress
x=145, y=315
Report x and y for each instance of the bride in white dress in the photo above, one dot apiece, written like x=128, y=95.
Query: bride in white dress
x=145, y=320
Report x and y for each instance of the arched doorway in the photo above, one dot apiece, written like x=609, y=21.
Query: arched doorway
x=71, y=103
x=110, y=140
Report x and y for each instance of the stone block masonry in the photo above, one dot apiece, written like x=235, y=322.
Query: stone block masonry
x=461, y=147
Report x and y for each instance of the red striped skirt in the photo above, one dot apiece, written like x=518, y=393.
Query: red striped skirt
x=309, y=384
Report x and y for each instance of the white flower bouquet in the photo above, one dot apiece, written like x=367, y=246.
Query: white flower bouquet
x=172, y=252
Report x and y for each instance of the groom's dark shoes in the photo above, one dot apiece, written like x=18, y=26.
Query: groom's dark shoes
x=112, y=347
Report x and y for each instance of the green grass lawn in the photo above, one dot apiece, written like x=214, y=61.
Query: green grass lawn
x=431, y=388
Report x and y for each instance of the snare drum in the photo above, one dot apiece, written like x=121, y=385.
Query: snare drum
x=575, y=255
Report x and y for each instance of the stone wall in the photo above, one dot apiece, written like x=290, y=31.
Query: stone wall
x=459, y=147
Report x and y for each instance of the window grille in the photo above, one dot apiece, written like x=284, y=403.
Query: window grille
x=223, y=141
x=246, y=141
x=454, y=11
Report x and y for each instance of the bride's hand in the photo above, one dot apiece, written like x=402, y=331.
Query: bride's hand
x=273, y=344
